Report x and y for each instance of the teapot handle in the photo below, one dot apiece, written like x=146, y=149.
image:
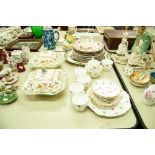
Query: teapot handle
x=56, y=40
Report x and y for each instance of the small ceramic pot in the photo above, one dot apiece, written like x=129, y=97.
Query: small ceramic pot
x=85, y=80
x=107, y=64
x=149, y=95
x=128, y=70
x=94, y=68
x=76, y=87
x=80, y=101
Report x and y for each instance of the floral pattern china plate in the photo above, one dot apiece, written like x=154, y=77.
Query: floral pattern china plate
x=121, y=108
x=105, y=88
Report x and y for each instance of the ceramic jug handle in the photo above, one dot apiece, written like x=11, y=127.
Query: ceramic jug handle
x=56, y=40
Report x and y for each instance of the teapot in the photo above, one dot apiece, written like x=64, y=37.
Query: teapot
x=49, y=37
x=94, y=68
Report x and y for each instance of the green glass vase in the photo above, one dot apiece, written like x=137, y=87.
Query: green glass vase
x=37, y=31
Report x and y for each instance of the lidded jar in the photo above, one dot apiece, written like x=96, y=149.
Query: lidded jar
x=94, y=68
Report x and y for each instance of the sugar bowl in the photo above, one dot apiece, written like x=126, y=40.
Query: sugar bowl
x=107, y=64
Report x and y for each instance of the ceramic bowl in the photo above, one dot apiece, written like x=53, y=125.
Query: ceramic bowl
x=80, y=101
x=76, y=87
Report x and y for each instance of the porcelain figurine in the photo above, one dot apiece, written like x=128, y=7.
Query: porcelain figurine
x=107, y=64
x=144, y=36
x=123, y=48
x=94, y=68
x=136, y=58
x=149, y=95
x=69, y=38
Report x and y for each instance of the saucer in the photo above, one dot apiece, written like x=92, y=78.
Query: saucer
x=7, y=98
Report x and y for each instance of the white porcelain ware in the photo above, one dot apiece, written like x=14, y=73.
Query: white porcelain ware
x=76, y=87
x=94, y=68
x=149, y=95
x=107, y=64
x=45, y=82
x=47, y=59
x=121, y=108
x=105, y=88
x=128, y=70
x=85, y=80
x=80, y=101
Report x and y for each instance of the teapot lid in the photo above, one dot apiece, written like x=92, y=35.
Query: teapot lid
x=93, y=61
x=107, y=61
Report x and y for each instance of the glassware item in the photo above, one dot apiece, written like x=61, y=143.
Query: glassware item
x=37, y=31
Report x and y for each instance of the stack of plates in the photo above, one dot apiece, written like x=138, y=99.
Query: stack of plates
x=107, y=99
x=119, y=59
x=139, y=79
x=84, y=50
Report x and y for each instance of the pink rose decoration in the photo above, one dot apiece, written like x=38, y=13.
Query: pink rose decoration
x=148, y=94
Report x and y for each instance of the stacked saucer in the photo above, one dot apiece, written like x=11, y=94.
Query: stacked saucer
x=105, y=93
x=120, y=58
x=139, y=79
x=107, y=99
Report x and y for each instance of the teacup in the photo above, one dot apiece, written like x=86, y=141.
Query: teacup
x=128, y=70
x=107, y=64
x=76, y=87
x=85, y=80
x=80, y=101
